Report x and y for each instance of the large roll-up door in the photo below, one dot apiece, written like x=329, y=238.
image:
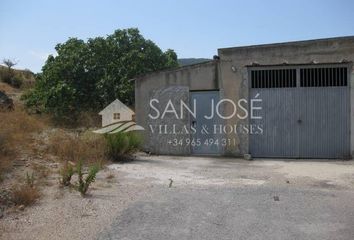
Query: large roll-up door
x=305, y=111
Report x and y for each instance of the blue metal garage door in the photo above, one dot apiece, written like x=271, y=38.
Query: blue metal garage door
x=305, y=111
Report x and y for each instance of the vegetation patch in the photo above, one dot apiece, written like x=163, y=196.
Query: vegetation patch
x=25, y=195
x=16, y=132
x=85, y=76
x=66, y=173
x=121, y=146
x=72, y=148
x=14, y=77
x=85, y=182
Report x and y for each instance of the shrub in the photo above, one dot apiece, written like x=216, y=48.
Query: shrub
x=66, y=173
x=84, y=184
x=28, y=74
x=117, y=144
x=134, y=142
x=121, y=145
x=27, y=84
x=7, y=75
x=12, y=79
x=16, y=82
x=25, y=195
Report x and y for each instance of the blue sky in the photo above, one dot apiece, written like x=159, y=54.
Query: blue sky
x=29, y=30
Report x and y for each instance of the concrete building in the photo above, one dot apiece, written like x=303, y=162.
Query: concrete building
x=292, y=99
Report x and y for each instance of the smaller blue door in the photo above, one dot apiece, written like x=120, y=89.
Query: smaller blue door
x=205, y=141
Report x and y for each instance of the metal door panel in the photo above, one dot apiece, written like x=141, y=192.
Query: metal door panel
x=310, y=119
x=280, y=135
x=203, y=107
x=324, y=122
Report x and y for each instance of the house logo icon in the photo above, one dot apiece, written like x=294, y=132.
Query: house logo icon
x=116, y=118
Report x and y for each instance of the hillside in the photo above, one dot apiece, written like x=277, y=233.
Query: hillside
x=23, y=78
x=189, y=61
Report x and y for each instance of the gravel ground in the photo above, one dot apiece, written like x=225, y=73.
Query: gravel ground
x=64, y=214
x=164, y=197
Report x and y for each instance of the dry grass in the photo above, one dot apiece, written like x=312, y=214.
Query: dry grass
x=19, y=125
x=88, y=147
x=5, y=153
x=25, y=195
x=95, y=146
x=7, y=88
x=16, y=129
x=64, y=146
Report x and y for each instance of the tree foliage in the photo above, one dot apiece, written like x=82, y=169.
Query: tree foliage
x=89, y=75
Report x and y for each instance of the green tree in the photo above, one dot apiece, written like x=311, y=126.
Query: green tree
x=171, y=58
x=86, y=76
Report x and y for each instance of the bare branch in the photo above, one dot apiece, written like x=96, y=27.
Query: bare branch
x=9, y=63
